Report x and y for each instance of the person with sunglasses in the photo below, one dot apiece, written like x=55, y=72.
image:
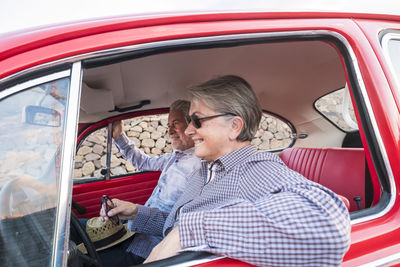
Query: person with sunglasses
x=243, y=204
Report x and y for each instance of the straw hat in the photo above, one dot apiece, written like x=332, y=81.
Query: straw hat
x=105, y=234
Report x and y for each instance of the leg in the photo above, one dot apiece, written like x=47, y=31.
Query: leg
x=117, y=255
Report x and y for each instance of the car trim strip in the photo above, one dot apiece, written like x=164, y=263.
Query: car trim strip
x=63, y=212
x=23, y=86
x=383, y=261
x=376, y=132
x=196, y=262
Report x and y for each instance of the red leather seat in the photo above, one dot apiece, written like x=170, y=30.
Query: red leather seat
x=340, y=169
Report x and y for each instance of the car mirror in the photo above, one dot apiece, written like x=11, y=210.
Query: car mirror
x=38, y=115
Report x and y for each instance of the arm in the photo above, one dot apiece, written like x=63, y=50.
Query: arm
x=139, y=159
x=148, y=221
x=142, y=219
x=273, y=230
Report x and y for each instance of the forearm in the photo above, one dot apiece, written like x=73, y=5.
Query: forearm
x=139, y=159
x=261, y=235
x=148, y=221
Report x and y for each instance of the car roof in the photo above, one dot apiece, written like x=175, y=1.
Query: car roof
x=20, y=41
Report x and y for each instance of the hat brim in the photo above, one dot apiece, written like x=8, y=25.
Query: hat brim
x=81, y=247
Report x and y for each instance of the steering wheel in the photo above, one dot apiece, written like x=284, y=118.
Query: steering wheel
x=93, y=259
x=28, y=194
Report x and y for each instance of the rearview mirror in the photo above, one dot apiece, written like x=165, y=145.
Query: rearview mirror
x=38, y=115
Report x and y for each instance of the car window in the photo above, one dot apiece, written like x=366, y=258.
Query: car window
x=273, y=134
x=30, y=154
x=149, y=134
x=391, y=46
x=338, y=109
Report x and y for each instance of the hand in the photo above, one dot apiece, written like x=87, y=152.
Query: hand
x=117, y=129
x=168, y=247
x=124, y=209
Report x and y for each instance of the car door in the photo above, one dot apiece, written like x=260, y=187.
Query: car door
x=38, y=118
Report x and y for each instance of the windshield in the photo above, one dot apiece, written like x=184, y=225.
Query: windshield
x=31, y=136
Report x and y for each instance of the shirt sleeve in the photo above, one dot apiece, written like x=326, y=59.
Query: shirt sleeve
x=148, y=221
x=276, y=230
x=139, y=159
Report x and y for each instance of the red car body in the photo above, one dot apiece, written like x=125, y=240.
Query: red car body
x=373, y=241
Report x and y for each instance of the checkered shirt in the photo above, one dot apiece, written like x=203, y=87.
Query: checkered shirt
x=256, y=210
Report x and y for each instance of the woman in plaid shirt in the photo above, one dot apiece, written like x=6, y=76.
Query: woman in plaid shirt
x=243, y=204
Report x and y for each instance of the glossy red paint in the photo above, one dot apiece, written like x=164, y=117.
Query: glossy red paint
x=371, y=240
x=71, y=39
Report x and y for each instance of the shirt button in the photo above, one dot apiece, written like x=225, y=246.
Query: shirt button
x=176, y=160
x=159, y=190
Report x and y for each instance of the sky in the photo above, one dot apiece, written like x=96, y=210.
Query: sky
x=21, y=14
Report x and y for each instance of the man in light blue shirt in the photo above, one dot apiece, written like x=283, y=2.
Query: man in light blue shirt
x=175, y=168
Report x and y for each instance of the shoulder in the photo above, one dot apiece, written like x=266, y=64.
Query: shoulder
x=264, y=160
x=267, y=170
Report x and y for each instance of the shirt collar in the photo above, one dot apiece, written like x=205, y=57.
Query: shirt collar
x=189, y=151
x=236, y=157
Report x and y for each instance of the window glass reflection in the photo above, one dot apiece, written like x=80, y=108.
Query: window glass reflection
x=31, y=137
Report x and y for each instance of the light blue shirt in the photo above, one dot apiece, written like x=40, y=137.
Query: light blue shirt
x=175, y=169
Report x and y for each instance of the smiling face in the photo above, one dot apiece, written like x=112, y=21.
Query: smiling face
x=217, y=136
x=176, y=131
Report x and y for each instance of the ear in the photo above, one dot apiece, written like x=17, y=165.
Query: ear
x=237, y=125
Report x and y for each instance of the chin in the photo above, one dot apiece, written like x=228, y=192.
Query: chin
x=202, y=155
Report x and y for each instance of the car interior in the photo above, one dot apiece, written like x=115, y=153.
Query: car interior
x=288, y=77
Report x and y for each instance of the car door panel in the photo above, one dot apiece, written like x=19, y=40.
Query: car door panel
x=135, y=188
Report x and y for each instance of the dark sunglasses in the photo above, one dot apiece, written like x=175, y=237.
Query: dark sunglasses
x=197, y=121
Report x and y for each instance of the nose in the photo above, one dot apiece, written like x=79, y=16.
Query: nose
x=190, y=130
x=171, y=129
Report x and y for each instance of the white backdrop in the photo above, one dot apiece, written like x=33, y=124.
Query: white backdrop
x=20, y=14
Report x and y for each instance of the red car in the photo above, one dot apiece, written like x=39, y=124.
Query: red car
x=328, y=84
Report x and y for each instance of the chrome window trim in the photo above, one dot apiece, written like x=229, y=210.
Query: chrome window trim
x=307, y=33
x=383, y=261
x=31, y=83
x=376, y=132
x=196, y=262
x=63, y=213
x=385, y=47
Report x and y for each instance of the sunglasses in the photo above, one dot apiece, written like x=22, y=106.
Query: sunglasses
x=106, y=205
x=197, y=121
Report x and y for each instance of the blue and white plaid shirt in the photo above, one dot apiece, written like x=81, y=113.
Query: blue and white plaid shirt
x=175, y=169
x=257, y=210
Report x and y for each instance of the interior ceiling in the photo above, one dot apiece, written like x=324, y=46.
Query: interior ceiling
x=287, y=77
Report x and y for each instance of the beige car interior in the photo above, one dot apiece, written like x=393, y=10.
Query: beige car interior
x=287, y=77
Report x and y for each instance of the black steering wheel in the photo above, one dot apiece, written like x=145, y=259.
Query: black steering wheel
x=93, y=259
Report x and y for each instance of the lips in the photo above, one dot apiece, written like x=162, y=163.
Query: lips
x=198, y=141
